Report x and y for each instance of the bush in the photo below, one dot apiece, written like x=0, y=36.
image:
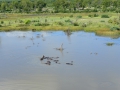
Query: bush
x=102, y=21
x=84, y=25
x=35, y=20
x=114, y=28
x=114, y=21
x=96, y=15
x=71, y=16
x=20, y=21
x=75, y=24
x=110, y=21
x=45, y=20
x=28, y=22
x=90, y=15
x=104, y=16
x=87, y=10
x=60, y=23
x=95, y=10
x=68, y=20
x=79, y=16
x=42, y=24
x=37, y=24
x=2, y=22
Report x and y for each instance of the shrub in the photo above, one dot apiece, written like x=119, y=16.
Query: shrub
x=84, y=25
x=102, y=21
x=116, y=21
x=96, y=15
x=60, y=23
x=42, y=24
x=28, y=22
x=110, y=21
x=75, y=24
x=90, y=16
x=35, y=20
x=79, y=16
x=37, y=24
x=20, y=21
x=71, y=16
x=95, y=10
x=68, y=20
x=104, y=16
x=114, y=28
x=2, y=22
x=20, y=25
x=45, y=20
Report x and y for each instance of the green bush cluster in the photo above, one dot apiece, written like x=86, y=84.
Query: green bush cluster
x=114, y=28
x=2, y=22
x=90, y=15
x=102, y=21
x=20, y=21
x=75, y=24
x=35, y=21
x=79, y=16
x=114, y=21
x=110, y=21
x=68, y=20
x=28, y=22
x=60, y=23
x=104, y=16
x=94, y=15
x=71, y=16
x=42, y=24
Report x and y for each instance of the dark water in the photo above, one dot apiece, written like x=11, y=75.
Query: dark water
x=96, y=66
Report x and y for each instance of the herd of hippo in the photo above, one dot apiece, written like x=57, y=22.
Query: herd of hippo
x=49, y=60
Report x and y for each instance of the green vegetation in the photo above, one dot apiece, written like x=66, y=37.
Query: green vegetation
x=109, y=44
x=104, y=16
x=101, y=17
x=58, y=6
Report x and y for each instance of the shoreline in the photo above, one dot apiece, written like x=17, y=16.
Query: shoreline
x=99, y=32
x=60, y=21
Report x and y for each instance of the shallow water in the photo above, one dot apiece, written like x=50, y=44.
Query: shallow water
x=95, y=65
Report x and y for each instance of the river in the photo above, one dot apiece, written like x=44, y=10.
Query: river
x=96, y=65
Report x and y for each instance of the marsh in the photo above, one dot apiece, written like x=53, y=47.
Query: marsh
x=96, y=65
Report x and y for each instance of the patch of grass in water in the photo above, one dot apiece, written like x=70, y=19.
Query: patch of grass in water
x=109, y=44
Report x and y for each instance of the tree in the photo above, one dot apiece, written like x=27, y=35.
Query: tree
x=56, y=5
x=3, y=6
x=40, y=4
x=26, y=5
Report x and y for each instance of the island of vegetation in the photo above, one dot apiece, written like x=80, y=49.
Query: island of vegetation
x=99, y=16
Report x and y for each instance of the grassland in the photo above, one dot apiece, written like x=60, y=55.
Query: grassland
x=89, y=22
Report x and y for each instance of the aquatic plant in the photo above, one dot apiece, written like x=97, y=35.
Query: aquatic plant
x=109, y=44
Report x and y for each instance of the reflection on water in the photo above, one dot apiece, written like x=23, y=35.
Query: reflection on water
x=95, y=65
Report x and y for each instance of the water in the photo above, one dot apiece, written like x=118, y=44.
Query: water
x=95, y=65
